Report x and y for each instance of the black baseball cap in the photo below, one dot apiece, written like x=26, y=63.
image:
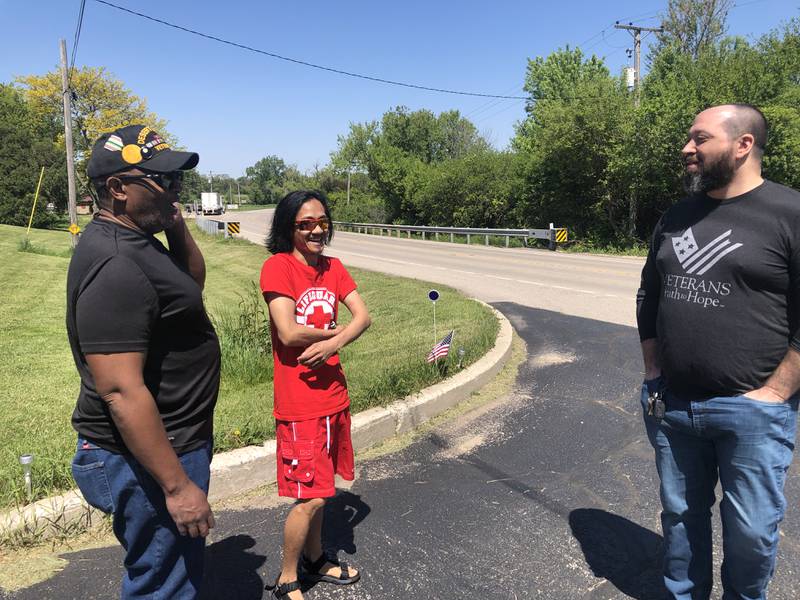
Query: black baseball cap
x=136, y=146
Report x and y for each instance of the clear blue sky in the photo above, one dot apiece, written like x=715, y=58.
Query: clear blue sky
x=234, y=107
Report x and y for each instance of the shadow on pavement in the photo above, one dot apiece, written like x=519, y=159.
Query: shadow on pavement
x=232, y=571
x=343, y=513
x=619, y=550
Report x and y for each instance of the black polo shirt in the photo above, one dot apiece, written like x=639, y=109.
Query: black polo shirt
x=127, y=293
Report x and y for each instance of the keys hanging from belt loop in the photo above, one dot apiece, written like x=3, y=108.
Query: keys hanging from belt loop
x=661, y=406
x=656, y=407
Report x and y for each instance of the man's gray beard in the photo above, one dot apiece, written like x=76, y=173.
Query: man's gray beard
x=695, y=183
x=710, y=177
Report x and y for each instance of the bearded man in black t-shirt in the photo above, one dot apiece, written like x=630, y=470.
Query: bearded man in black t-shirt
x=718, y=314
x=149, y=361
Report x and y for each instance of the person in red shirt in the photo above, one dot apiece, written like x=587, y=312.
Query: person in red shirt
x=303, y=288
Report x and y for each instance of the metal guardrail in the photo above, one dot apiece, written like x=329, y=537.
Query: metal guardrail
x=212, y=227
x=553, y=235
x=209, y=226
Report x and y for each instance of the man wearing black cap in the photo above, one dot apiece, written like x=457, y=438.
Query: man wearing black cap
x=149, y=360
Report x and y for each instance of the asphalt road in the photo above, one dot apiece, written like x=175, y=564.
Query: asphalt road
x=591, y=286
x=548, y=493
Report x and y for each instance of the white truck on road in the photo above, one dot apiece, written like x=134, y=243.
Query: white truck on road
x=211, y=203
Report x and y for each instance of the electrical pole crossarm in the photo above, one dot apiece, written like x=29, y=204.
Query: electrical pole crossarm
x=633, y=27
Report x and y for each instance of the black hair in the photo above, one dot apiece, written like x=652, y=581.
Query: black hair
x=281, y=232
x=749, y=119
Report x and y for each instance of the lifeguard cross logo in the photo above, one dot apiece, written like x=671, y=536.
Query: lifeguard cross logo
x=696, y=260
x=315, y=308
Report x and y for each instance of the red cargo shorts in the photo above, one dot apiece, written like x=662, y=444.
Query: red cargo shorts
x=311, y=452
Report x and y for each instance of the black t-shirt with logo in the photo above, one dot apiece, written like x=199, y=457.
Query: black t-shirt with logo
x=721, y=290
x=127, y=293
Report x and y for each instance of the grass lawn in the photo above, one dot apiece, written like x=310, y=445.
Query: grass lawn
x=39, y=383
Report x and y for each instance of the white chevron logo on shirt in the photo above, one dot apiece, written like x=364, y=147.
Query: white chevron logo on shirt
x=696, y=260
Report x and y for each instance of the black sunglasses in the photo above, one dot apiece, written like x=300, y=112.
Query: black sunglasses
x=166, y=181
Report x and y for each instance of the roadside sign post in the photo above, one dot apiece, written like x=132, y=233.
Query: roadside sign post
x=232, y=228
x=433, y=296
x=35, y=198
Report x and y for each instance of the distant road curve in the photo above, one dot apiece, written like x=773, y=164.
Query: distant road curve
x=585, y=285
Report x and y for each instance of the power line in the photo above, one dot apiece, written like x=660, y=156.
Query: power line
x=490, y=104
x=75, y=41
x=502, y=110
x=308, y=64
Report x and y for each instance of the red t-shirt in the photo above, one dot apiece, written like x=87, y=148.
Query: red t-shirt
x=302, y=393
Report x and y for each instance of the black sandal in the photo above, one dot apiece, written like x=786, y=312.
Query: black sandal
x=281, y=591
x=310, y=571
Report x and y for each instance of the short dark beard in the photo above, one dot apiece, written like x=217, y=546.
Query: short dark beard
x=711, y=174
x=152, y=224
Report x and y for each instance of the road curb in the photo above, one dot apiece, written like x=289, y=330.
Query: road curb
x=245, y=469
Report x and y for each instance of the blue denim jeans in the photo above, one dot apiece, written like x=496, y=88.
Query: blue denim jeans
x=747, y=445
x=160, y=563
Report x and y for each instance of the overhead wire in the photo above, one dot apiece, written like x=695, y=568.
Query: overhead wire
x=75, y=41
x=513, y=104
x=310, y=64
x=495, y=99
x=490, y=104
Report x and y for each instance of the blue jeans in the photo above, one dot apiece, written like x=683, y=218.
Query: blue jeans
x=747, y=445
x=160, y=562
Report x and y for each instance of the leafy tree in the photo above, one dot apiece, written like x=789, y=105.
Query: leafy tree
x=26, y=147
x=396, y=151
x=573, y=165
x=193, y=184
x=354, y=148
x=362, y=207
x=556, y=79
x=475, y=190
x=692, y=25
x=429, y=138
x=265, y=179
x=100, y=103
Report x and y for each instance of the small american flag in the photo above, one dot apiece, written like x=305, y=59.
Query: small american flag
x=442, y=348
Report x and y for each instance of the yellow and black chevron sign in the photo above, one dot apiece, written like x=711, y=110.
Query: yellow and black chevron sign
x=561, y=235
x=233, y=227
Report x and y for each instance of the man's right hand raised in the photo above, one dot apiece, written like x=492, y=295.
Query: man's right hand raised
x=188, y=506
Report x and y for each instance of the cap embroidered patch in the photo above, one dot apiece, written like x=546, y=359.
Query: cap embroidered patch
x=132, y=154
x=114, y=143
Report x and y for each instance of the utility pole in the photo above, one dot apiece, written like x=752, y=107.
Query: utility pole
x=66, y=94
x=348, y=185
x=636, y=31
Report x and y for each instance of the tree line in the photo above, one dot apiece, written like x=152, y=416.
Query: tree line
x=587, y=155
